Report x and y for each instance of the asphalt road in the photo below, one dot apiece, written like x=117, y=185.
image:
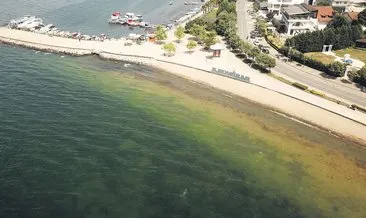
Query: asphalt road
x=243, y=27
x=305, y=75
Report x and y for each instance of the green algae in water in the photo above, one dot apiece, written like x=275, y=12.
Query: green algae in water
x=87, y=142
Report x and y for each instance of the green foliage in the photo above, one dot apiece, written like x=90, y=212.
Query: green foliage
x=256, y=6
x=191, y=45
x=160, y=33
x=338, y=21
x=337, y=69
x=198, y=31
x=169, y=49
x=265, y=60
x=226, y=23
x=355, y=106
x=253, y=52
x=198, y=21
x=314, y=92
x=228, y=6
x=179, y=33
x=210, y=38
x=323, y=3
x=362, y=17
x=300, y=86
x=341, y=37
x=362, y=76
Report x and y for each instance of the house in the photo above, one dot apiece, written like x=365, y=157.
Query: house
x=351, y=15
x=349, y=5
x=299, y=18
x=324, y=15
x=274, y=6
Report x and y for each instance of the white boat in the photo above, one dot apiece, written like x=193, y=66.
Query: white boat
x=16, y=22
x=32, y=22
x=133, y=17
x=46, y=28
x=115, y=17
x=170, y=3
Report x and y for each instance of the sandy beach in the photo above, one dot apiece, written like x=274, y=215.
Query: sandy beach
x=196, y=66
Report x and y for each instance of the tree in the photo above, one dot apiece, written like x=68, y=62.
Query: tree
x=337, y=69
x=160, y=33
x=191, y=45
x=198, y=31
x=227, y=6
x=179, y=33
x=362, y=76
x=338, y=21
x=225, y=23
x=253, y=52
x=362, y=17
x=169, y=49
x=265, y=60
x=210, y=39
x=323, y=3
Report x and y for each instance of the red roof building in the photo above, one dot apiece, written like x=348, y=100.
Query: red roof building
x=324, y=15
x=351, y=16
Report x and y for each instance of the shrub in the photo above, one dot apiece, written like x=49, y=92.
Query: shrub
x=300, y=86
x=317, y=93
x=337, y=69
x=354, y=106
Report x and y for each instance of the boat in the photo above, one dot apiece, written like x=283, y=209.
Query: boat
x=131, y=16
x=46, y=28
x=31, y=23
x=16, y=22
x=114, y=17
x=170, y=3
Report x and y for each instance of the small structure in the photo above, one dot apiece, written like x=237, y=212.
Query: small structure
x=361, y=43
x=351, y=16
x=327, y=48
x=216, y=49
x=324, y=15
x=299, y=18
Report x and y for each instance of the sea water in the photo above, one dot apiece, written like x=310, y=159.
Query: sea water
x=83, y=137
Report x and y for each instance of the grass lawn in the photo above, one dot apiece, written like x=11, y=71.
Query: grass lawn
x=326, y=59
x=359, y=54
x=210, y=16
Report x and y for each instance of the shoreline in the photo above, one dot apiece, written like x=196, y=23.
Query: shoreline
x=332, y=117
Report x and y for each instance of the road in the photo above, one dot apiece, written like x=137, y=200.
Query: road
x=243, y=27
x=308, y=76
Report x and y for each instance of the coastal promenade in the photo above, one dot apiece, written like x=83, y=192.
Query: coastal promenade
x=197, y=65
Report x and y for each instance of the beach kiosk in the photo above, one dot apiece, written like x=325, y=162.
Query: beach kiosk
x=216, y=48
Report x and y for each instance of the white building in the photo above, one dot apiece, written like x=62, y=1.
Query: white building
x=275, y=6
x=350, y=5
x=299, y=18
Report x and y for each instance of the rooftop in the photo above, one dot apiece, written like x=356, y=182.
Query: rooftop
x=298, y=9
x=325, y=13
x=351, y=16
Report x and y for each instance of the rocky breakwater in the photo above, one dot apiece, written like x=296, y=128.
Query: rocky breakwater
x=108, y=49
x=42, y=42
x=145, y=60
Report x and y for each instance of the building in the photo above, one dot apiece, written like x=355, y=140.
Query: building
x=349, y=5
x=299, y=18
x=324, y=15
x=274, y=6
x=351, y=16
